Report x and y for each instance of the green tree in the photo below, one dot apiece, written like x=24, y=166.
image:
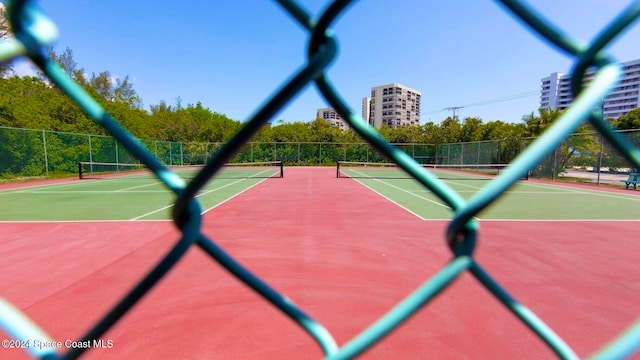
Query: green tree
x=111, y=89
x=561, y=157
x=124, y=92
x=27, y=102
x=160, y=108
x=471, y=129
x=69, y=65
x=102, y=85
x=431, y=133
x=508, y=136
x=451, y=130
x=405, y=134
x=292, y=132
x=536, y=125
x=323, y=132
x=629, y=121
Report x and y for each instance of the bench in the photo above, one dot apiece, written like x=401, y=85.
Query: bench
x=634, y=179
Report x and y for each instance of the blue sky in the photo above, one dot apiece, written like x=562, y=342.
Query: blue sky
x=231, y=55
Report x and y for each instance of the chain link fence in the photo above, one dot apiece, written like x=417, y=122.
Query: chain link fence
x=42, y=153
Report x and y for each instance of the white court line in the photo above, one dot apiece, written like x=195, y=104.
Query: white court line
x=44, y=186
x=507, y=192
x=224, y=201
x=561, y=220
x=90, y=192
x=560, y=189
x=139, y=186
x=594, y=192
x=401, y=189
x=205, y=193
x=71, y=183
x=389, y=199
x=71, y=221
x=566, y=190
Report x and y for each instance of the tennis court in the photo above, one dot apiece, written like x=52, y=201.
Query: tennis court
x=126, y=195
x=311, y=265
x=123, y=192
x=527, y=200
x=346, y=250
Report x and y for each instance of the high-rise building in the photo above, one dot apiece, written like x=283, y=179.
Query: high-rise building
x=366, y=107
x=332, y=117
x=555, y=92
x=394, y=105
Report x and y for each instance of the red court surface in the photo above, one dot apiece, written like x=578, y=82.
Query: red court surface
x=341, y=252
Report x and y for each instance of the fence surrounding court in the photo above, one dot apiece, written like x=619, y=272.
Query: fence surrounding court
x=37, y=31
x=36, y=153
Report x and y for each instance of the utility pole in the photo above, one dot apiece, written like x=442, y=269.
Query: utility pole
x=454, y=110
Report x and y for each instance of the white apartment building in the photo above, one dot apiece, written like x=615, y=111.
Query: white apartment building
x=366, y=106
x=332, y=117
x=555, y=92
x=394, y=105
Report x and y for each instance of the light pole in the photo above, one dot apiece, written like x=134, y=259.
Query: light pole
x=600, y=141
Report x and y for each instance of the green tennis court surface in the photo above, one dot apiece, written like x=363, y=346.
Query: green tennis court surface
x=140, y=197
x=527, y=200
x=129, y=198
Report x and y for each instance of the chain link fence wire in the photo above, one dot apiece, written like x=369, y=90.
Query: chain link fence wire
x=34, y=31
x=26, y=153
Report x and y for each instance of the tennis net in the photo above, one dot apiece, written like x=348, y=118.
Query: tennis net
x=101, y=170
x=354, y=169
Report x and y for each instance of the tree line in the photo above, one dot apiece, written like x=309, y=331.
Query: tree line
x=31, y=102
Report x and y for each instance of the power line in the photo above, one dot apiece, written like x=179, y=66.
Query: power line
x=484, y=102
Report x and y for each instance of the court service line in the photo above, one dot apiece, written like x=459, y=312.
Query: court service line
x=70, y=183
x=202, y=194
x=561, y=220
x=463, y=185
x=389, y=199
x=25, y=189
x=508, y=192
x=89, y=192
x=233, y=196
x=139, y=186
x=594, y=192
x=402, y=190
x=559, y=189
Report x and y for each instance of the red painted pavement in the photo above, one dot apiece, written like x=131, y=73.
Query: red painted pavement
x=341, y=252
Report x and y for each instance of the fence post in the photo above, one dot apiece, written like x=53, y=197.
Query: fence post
x=90, y=154
x=46, y=161
x=599, y=162
x=555, y=159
